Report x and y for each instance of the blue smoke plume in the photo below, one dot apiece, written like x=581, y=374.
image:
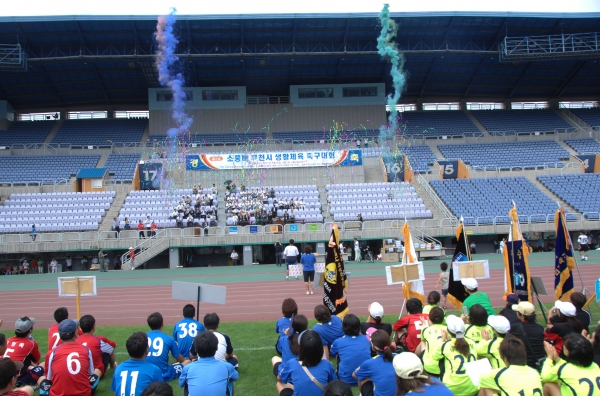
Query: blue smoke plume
x=165, y=62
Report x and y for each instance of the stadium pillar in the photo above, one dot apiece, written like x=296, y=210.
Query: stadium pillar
x=247, y=256
x=173, y=258
x=7, y=115
x=419, y=104
x=553, y=104
x=110, y=112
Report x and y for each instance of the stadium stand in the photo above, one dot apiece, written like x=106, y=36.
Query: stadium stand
x=590, y=116
x=122, y=166
x=510, y=122
x=26, y=132
x=326, y=136
x=579, y=191
x=438, y=123
x=420, y=157
x=508, y=155
x=483, y=200
x=375, y=201
x=584, y=145
x=30, y=168
x=309, y=194
x=100, y=132
x=54, y=212
x=225, y=138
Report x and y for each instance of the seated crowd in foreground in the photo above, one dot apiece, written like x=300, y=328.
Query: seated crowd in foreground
x=425, y=352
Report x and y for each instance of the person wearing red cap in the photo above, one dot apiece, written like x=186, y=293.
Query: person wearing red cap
x=9, y=371
x=22, y=348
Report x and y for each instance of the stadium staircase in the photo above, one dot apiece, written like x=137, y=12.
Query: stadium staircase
x=374, y=171
x=572, y=118
x=53, y=131
x=432, y=201
x=325, y=208
x=146, y=250
x=117, y=204
x=476, y=122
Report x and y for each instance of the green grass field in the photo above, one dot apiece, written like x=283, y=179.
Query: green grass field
x=254, y=345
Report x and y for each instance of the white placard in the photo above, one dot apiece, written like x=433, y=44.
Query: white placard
x=388, y=272
x=478, y=368
x=189, y=291
x=486, y=268
x=297, y=269
x=67, y=286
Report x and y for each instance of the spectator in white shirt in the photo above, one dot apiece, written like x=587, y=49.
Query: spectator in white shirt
x=234, y=257
x=291, y=257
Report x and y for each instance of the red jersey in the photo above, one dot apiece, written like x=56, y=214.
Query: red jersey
x=132, y=254
x=69, y=367
x=141, y=226
x=22, y=350
x=98, y=345
x=54, y=338
x=413, y=325
x=16, y=392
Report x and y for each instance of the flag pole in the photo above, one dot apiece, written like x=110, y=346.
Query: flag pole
x=467, y=248
x=564, y=221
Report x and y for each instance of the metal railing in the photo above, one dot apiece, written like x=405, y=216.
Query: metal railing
x=434, y=197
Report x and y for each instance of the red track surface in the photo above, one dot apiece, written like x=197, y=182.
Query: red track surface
x=245, y=301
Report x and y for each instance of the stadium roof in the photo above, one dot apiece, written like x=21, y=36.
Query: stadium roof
x=96, y=62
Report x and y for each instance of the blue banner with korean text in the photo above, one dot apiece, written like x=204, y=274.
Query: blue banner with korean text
x=277, y=159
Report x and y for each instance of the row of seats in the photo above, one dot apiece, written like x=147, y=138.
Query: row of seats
x=26, y=132
x=122, y=166
x=579, y=191
x=590, y=116
x=584, y=145
x=32, y=168
x=100, y=132
x=520, y=121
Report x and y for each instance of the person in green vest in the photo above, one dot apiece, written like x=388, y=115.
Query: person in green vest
x=475, y=297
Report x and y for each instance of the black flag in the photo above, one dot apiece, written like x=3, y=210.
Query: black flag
x=456, y=291
x=335, y=281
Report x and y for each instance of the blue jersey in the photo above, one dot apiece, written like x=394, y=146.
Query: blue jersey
x=159, y=346
x=208, y=377
x=382, y=374
x=330, y=331
x=283, y=347
x=308, y=260
x=133, y=376
x=282, y=324
x=292, y=373
x=184, y=333
x=435, y=389
x=353, y=350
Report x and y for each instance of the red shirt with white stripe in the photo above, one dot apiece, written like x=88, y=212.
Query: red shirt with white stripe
x=54, y=338
x=69, y=367
x=98, y=345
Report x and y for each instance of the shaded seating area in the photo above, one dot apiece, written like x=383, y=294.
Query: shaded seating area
x=54, y=212
x=100, y=132
x=504, y=156
x=579, y=191
x=434, y=124
x=487, y=201
x=43, y=169
x=375, y=201
x=590, y=116
x=584, y=145
x=26, y=132
x=228, y=137
x=510, y=122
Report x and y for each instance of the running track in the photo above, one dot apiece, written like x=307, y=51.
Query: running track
x=250, y=301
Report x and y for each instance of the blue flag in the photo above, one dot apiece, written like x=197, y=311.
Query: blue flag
x=564, y=262
x=518, y=269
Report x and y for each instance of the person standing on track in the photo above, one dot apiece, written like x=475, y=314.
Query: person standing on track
x=583, y=241
x=291, y=257
x=308, y=260
x=235, y=258
x=278, y=253
x=101, y=260
x=356, y=250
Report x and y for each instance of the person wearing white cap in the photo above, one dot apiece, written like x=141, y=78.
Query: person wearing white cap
x=22, y=348
x=410, y=377
x=475, y=296
x=489, y=346
x=574, y=375
x=562, y=324
x=454, y=352
x=514, y=379
x=530, y=332
x=374, y=320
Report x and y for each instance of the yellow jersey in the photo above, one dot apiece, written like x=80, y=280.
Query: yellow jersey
x=513, y=381
x=432, y=337
x=573, y=380
x=491, y=350
x=453, y=372
x=473, y=332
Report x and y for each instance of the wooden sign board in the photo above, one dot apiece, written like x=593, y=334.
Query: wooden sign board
x=479, y=269
x=67, y=287
x=399, y=274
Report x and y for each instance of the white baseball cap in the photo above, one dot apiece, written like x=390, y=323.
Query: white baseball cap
x=566, y=308
x=470, y=283
x=499, y=323
x=376, y=310
x=407, y=365
x=455, y=324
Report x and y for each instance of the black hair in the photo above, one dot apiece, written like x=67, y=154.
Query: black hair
x=580, y=350
x=136, y=345
x=408, y=385
x=571, y=322
x=158, y=389
x=443, y=266
x=351, y=325
x=381, y=342
x=299, y=324
x=311, y=348
x=189, y=311
x=307, y=249
x=291, y=241
x=67, y=336
x=289, y=307
x=595, y=342
x=414, y=305
x=578, y=300
x=322, y=314
x=478, y=316
x=337, y=388
x=436, y=315
x=211, y=321
x=529, y=318
x=155, y=321
x=61, y=314
x=206, y=344
x=513, y=350
x=433, y=297
x=87, y=323
x=2, y=339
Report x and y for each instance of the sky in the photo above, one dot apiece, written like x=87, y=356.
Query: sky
x=249, y=7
